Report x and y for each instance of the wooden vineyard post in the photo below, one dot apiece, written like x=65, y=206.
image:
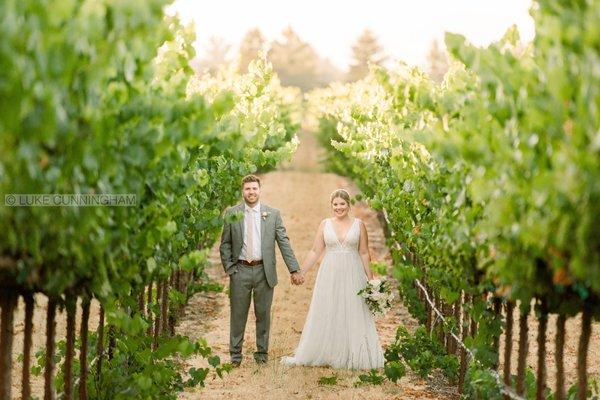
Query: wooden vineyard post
x=27, y=343
x=141, y=301
x=559, y=356
x=49, y=393
x=497, y=309
x=164, y=307
x=464, y=299
x=171, y=311
x=157, y=318
x=455, y=345
x=446, y=337
x=429, y=310
x=111, y=341
x=8, y=301
x=439, y=304
x=584, y=341
x=508, y=342
x=83, y=336
x=541, y=340
x=148, y=310
x=523, y=348
x=473, y=329
x=100, y=343
x=71, y=306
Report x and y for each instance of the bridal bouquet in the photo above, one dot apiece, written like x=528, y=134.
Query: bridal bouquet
x=378, y=296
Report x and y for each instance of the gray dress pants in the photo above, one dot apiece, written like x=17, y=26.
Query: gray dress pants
x=249, y=282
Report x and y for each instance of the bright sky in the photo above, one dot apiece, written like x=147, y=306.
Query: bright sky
x=404, y=28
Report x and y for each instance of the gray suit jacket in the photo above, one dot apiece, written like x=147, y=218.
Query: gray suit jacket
x=271, y=231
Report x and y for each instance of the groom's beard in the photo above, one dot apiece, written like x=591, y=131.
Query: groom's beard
x=251, y=201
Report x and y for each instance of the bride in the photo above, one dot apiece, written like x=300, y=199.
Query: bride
x=339, y=330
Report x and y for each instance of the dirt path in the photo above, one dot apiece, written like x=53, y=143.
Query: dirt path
x=300, y=190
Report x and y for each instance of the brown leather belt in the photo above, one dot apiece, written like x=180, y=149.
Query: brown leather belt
x=251, y=263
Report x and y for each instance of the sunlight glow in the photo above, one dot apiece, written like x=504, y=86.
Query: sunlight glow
x=404, y=28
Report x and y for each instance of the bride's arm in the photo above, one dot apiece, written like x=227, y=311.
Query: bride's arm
x=315, y=252
x=363, y=249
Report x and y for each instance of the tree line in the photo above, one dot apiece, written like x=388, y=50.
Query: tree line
x=297, y=63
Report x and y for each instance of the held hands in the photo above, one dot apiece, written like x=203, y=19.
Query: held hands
x=297, y=278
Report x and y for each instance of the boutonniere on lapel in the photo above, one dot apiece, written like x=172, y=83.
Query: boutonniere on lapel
x=264, y=215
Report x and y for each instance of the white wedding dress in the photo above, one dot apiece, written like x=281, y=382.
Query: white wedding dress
x=339, y=330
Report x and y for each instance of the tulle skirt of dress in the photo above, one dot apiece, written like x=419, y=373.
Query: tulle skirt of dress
x=339, y=330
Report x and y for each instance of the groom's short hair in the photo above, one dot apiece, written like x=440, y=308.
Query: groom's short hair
x=250, y=178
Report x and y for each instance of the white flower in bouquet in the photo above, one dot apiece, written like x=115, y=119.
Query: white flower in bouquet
x=378, y=296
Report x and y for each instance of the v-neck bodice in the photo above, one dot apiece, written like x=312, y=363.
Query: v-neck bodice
x=348, y=243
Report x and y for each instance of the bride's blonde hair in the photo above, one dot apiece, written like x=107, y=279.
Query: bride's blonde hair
x=342, y=194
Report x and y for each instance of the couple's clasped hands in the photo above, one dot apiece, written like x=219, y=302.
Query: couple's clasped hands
x=297, y=277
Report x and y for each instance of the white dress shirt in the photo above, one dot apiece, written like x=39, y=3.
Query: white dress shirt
x=255, y=213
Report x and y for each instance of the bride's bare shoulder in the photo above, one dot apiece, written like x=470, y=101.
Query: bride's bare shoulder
x=321, y=227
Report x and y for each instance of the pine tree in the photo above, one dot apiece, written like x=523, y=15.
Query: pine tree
x=365, y=51
x=438, y=62
x=252, y=43
x=215, y=56
x=294, y=60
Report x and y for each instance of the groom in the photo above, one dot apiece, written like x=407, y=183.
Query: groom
x=248, y=257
